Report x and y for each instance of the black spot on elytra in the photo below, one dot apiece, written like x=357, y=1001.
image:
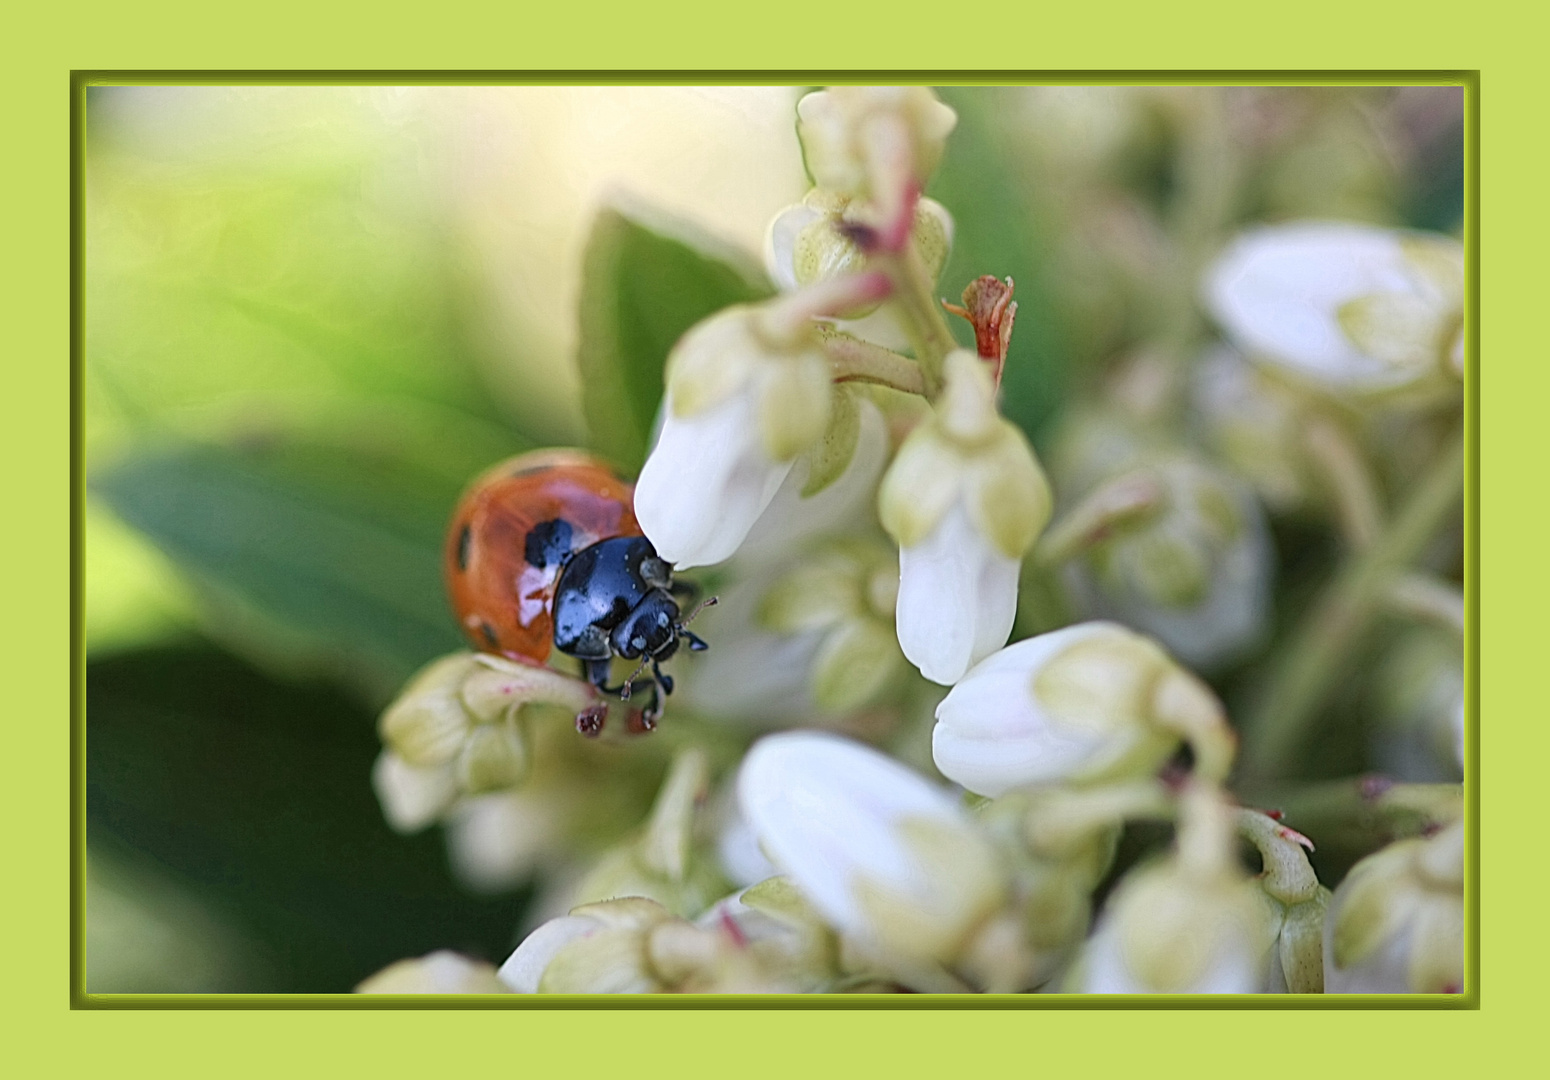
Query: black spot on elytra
x=489, y=635
x=548, y=543
x=463, y=540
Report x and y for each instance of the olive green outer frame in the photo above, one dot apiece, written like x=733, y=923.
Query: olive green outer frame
x=65, y=1033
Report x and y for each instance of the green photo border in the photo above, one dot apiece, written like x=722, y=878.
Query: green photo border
x=976, y=47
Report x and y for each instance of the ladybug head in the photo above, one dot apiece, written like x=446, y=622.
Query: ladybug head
x=651, y=629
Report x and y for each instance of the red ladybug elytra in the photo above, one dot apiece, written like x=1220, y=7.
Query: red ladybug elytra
x=544, y=552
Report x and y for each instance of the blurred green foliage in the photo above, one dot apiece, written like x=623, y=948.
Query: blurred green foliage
x=254, y=795
x=641, y=289
x=998, y=232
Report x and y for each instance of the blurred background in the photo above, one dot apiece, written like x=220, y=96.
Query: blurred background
x=313, y=313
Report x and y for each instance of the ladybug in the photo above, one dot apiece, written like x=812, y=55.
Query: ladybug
x=543, y=553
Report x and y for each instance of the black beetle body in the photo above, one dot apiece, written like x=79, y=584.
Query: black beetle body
x=615, y=598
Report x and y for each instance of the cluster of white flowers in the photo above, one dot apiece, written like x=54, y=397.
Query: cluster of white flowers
x=848, y=470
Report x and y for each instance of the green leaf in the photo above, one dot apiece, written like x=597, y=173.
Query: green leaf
x=642, y=287
x=998, y=233
x=338, y=558
x=252, y=796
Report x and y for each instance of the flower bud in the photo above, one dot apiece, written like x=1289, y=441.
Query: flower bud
x=1352, y=308
x=845, y=593
x=965, y=499
x=1190, y=563
x=457, y=729
x=861, y=140
x=1083, y=703
x=596, y=949
x=882, y=854
x=1419, y=706
x=1191, y=924
x=412, y=797
x=632, y=946
x=440, y=972
x=1396, y=923
x=784, y=935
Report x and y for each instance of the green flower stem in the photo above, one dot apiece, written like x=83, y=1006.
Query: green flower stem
x=1422, y=596
x=1288, y=875
x=1361, y=814
x=1337, y=457
x=914, y=293
x=1325, y=640
x=1209, y=172
x=854, y=360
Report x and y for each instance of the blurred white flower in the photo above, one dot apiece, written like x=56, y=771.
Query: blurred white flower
x=965, y=499
x=1396, y=923
x=1193, y=569
x=634, y=946
x=880, y=852
x=611, y=960
x=1167, y=933
x=1257, y=423
x=1089, y=701
x=1352, y=308
x=441, y=972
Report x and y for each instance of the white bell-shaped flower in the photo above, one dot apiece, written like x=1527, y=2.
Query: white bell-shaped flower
x=879, y=851
x=1396, y=923
x=965, y=499
x=1086, y=702
x=748, y=390
x=1352, y=308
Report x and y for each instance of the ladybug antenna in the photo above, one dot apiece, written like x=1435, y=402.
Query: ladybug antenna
x=624, y=691
x=709, y=601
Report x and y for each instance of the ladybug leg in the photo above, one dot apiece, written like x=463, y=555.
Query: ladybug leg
x=589, y=721
x=664, y=680
x=645, y=720
x=696, y=643
x=596, y=673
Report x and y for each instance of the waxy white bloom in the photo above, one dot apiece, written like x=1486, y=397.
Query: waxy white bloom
x=748, y=390
x=880, y=852
x=1089, y=701
x=965, y=499
x=1396, y=923
x=1352, y=308
x=858, y=139
x=441, y=972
